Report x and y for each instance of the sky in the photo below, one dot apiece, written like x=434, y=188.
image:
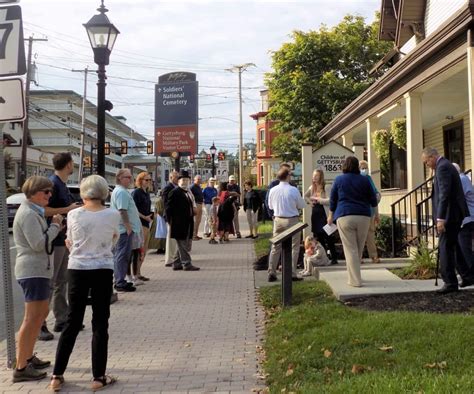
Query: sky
x=206, y=37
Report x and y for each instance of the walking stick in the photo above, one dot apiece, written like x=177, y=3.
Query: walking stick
x=437, y=266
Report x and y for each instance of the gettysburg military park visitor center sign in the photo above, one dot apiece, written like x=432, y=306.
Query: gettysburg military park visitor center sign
x=176, y=114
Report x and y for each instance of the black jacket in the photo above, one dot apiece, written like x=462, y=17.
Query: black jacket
x=449, y=202
x=255, y=200
x=180, y=214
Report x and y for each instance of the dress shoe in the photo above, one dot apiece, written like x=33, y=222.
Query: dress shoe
x=239, y=235
x=168, y=264
x=272, y=278
x=197, y=238
x=467, y=282
x=44, y=334
x=190, y=267
x=249, y=236
x=59, y=327
x=334, y=262
x=296, y=279
x=177, y=267
x=447, y=289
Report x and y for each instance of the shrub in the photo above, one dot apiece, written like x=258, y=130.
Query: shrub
x=383, y=237
x=423, y=264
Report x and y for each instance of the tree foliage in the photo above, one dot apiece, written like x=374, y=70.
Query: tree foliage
x=316, y=75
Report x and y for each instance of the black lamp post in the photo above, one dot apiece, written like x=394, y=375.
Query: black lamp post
x=102, y=35
x=213, y=151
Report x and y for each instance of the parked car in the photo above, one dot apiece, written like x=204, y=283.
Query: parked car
x=14, y=201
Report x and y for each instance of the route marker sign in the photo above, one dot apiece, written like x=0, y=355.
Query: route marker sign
x=12, y=47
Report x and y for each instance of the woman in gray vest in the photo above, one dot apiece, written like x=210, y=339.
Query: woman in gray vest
x=33, y=271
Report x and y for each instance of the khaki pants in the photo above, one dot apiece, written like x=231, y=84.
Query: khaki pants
x=370, y=242
x=353, y=231
x=236, y=222
x=171, y=246
x=58, y=296
x=280, y=225
x=252, y=220
x=197, y=219
x=207, y=219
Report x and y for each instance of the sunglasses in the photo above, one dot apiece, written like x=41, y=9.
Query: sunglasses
x=47, y=191
x=147, y=179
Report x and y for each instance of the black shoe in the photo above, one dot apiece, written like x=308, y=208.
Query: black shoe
x=238, y=235
x=334, y=262
x=168, y=264
x=125, y=289
x=249, y=236
x=466, y=282
x=296, y=279
x=28, y=374
x=160, y=251
x=59, y=327
x=177, y=267
x=36, y=363
x=190, y=267
x=255, y=237
x=272, y=278
x=447, y=289
x=44, y=334
x=212, y=241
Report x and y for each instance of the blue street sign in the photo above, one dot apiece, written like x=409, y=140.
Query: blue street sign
x=176, y=104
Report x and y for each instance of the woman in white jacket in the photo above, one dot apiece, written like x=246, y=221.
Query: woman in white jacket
x=318, y=196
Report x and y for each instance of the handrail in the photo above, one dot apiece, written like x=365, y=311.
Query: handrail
x=425, y=183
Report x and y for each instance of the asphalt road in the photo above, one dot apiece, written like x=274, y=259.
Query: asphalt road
x=17, y=296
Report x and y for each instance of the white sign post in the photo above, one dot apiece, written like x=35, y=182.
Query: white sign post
x=12, y=100
x=222, y=171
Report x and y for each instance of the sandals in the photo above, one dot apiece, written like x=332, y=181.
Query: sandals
x=56, y=384
x=103, y=382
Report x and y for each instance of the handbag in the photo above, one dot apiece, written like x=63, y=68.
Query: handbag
x=161, y=228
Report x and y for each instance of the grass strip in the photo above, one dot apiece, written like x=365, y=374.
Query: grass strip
x=320, y=345
x=262, y=243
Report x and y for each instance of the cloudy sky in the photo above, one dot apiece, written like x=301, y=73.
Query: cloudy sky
x=202, y=36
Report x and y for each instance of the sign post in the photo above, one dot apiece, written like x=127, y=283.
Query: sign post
x=12, y=108
x=176, y=115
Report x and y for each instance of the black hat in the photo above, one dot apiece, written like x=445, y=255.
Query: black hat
x=183, y=174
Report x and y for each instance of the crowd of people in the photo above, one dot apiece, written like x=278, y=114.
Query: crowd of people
x=71, y=254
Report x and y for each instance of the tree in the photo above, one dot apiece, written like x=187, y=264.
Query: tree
x=316, y=75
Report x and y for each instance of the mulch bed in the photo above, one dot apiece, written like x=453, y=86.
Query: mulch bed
x=431, y=302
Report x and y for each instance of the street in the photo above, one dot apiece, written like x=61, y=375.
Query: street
x=17, y=296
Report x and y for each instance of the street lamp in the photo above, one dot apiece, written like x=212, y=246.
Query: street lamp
x=213, y=151
x=102, y=35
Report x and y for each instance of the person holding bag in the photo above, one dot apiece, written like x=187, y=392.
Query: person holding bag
x=33, y=271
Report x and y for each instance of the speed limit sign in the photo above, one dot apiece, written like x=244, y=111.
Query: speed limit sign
x=12, y=48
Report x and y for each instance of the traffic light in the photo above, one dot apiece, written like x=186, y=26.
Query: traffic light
x=123, y=147
x=107, y=148
x=221, y=156
x=208, y=157
x=191, y=158
x=87, y=161
x=149, y=147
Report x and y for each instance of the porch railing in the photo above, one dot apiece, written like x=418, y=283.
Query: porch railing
x=413, y=213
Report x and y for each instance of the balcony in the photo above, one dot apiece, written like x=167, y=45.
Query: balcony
x=66, y=142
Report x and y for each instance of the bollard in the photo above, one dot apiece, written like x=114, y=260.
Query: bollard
x=287, y=272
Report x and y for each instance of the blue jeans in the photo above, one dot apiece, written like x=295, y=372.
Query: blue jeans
x=122, y=253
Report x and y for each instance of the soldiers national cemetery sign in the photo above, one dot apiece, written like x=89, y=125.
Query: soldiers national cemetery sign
x=176, y=114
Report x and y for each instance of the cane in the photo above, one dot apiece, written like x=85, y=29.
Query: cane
x=437, y=266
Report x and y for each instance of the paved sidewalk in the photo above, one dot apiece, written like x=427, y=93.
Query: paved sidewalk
x=180, y=332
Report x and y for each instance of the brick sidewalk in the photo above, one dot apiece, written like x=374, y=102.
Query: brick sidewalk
x=180, y=332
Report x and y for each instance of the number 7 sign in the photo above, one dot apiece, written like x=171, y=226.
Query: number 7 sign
x=12, y=48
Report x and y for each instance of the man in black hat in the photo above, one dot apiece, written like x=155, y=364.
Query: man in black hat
x=179, y=208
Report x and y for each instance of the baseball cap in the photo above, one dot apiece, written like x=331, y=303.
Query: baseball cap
x=232, y=178
x=211, y=179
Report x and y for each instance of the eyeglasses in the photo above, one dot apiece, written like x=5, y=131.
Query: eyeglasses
x=147, y=179
x=47, y=191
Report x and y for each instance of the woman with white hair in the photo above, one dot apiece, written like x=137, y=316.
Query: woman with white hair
x=92, y=231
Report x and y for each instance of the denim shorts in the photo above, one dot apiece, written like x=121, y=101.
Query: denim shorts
x=35, y=289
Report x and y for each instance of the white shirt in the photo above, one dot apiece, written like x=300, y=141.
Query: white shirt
x=92, y=237
x=285, y=200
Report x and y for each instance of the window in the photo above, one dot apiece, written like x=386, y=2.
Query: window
x=454, y=143
x=261, y=137
x=394, y=176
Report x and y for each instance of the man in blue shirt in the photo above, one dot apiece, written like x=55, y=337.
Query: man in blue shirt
x=61, y=202
x=129, y=227
x=209, y=193
x=464, y=246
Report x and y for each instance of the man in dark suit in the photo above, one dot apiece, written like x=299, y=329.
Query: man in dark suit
x=449, y=210
x=179, y=208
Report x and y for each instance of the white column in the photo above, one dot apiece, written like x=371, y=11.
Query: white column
x=358, y=151
x=347, y=140
x=416, y=171
x=372, y=158
x=307, y=174
x=470, y=85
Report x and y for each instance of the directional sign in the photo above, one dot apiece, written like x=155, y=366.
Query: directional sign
x=12, y=48
x=176, y=114
x=12, y=100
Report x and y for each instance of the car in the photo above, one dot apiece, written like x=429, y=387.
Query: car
x=14, y=201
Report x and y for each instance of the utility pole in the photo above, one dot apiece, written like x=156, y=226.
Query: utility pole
x=240, y=69
x=26, y=130
x=83, y=128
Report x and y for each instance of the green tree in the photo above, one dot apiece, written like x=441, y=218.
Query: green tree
x=316, y=75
